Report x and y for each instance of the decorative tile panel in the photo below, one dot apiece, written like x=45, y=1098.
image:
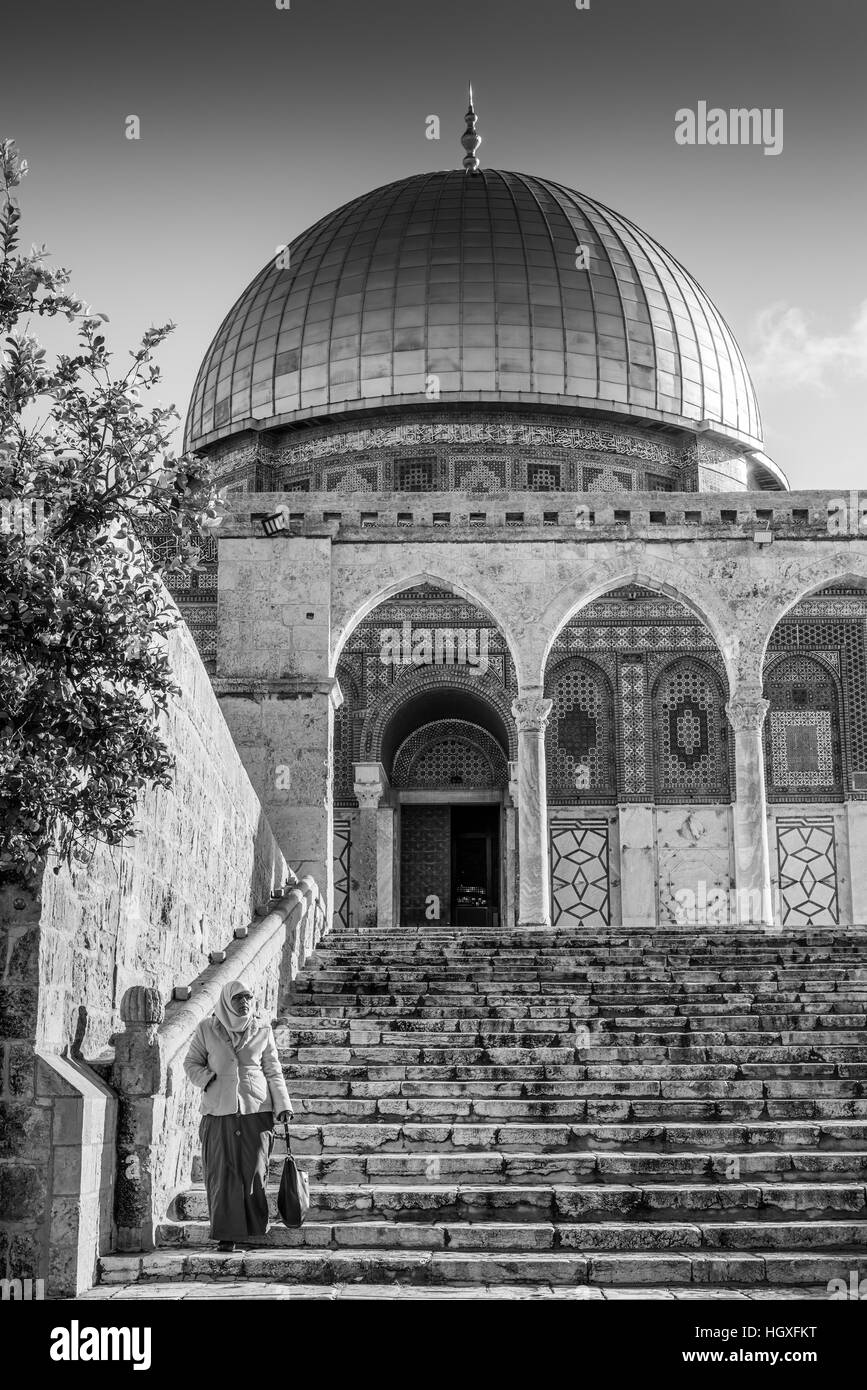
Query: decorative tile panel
x=580, y=880
x=807, y=869
x=341, y=843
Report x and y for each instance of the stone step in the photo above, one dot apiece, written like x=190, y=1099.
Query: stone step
x=205, y=1287
x=563, y=1202
x=680, y=1072
x=547, y=1138
x=322, y=1234
x=561, y=1112
x=301, y=1028
x=455, y=1015
x=561, y=1082
x=570, y=1166
x=297, y=1042
x=300, y=1265
x=472, y=1108
x=585, y=1167
x=293, y=1059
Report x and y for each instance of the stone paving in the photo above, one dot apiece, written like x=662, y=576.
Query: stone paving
x=217, y=1289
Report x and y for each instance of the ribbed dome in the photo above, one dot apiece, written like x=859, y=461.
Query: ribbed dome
x=469, y=285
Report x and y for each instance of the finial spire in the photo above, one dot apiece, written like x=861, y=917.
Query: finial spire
x=470, y=140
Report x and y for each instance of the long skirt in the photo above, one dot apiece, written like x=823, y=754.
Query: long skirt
x=235, y=1154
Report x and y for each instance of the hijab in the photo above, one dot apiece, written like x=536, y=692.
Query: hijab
x=239, y=1026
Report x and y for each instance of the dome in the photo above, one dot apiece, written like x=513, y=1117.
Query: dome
x=471, y=288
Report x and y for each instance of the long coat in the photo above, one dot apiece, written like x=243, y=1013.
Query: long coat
x=249, y=1080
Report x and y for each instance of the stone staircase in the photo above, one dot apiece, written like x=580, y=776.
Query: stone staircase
x=564, y=1113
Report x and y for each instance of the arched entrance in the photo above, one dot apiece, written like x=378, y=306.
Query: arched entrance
x=450, y=779
x=640, y=771
x=424, y=820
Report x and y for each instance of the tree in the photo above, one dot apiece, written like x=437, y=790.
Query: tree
x=87, y=480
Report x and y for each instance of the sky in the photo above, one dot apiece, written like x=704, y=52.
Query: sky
x=257, y=120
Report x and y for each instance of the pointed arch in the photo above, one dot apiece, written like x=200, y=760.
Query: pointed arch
x=357, y=609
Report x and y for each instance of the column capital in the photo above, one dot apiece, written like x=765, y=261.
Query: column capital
x=531, y=713
x=369, y=784
x=746, y=710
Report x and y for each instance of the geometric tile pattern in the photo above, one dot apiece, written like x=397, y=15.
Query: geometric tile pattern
x=447, y=753
x=579, y=744
x=802, y=738
x=580, y=887
x=632, y=727
x=802, y=749
x=807, y=867
x=341, y=873
x=689, y=728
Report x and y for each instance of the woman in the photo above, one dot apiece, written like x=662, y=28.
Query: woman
x=233, y=1058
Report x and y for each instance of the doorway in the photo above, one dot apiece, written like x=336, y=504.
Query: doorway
x=475, y=866
x=450, y=863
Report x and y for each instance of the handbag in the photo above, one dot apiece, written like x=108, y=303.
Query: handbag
x=293, y=1195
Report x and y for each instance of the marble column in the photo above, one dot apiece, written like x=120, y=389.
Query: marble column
x=746, y=712
x=531, y=713
x=369, y=786
x=510, y=849
x=386, y=859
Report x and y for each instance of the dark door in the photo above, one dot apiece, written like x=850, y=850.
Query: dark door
x=475, y=866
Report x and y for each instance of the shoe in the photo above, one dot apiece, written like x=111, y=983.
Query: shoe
x=226, y=1247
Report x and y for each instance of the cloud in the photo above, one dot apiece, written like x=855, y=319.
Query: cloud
x=791, y=352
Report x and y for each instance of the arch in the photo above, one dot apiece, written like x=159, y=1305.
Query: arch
x=801, y=689
x=391, y=715
x=580, y=741
x=345, y=624
x=692, y=751
x=670, y=581
x=831, y=579
x=450, y=752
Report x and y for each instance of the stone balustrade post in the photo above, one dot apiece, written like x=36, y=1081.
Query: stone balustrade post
x=746, y=712
x=137, y=1078
x=531, y=712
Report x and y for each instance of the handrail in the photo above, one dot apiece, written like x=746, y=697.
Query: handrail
x=182, y=1017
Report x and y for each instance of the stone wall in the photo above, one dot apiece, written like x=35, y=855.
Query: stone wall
x=147, y=914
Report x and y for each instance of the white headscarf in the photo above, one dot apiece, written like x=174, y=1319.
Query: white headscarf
x=238, y=1026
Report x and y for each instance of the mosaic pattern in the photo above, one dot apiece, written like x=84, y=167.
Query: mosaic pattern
x=500, y=430
x=341, y=844
x=415, y=475
x=829, y=628
x=802, y=749
x=633, y=727
x=479, y=474
x=807, y=872
x=692, y=751
x=608, y=479
x=450, y=753
x=690, y=733
x=580, y=886
x=351, y=480
x=802, y=732
x=579, y=742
